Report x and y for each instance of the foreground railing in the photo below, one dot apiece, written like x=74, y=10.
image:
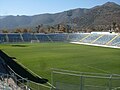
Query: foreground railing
x=72, y=80
x=10, y=82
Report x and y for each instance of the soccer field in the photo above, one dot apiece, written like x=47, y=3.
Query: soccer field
x=41, y=57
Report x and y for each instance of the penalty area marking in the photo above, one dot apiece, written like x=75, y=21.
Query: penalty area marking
x=97, y=68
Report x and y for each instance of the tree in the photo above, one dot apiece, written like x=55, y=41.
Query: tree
x=18, y=30
x=38, y=27
x=58, y=27
x=25, y=30
x=4, y=31
x=114, y=25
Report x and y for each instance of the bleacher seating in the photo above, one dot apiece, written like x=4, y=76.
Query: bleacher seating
x=8, y=83
x=42, y=37
x=4, y=86
x=115, y=42
x=58, y=37
x=26, y=37
x=14, y=37
x=76, y=37
x=100, y=39
x=2, y=38
x=2, y=67
x=33, y=37
x=104, y=39
x=91, y=38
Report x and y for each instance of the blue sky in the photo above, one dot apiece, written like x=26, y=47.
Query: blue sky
x=33, y=7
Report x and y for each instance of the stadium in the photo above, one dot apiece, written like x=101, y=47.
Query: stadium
x=67, y=61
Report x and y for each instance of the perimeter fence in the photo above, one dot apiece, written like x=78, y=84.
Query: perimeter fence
x=72, y=80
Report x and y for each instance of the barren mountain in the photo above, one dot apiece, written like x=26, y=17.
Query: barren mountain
x=99, y=16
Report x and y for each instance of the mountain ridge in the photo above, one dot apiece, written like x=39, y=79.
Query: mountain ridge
x=104, y=14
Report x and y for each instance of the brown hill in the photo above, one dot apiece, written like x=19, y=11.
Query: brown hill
x=99, y=18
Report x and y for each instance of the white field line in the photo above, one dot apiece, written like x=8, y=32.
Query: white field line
x=117, y=88
x=77, y=72
x=97, y=69
x=95, y=45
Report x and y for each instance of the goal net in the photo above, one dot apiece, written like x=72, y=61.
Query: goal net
x=35, y=41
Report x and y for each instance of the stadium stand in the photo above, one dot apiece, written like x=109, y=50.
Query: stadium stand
x=14, y=66
x=14, y=37
x=27, y=37
x=42, y=37
x=9, y=84
x=92, y=38
x=7, y=81
x=58, y=37
x=76, y=37
x=3, y=69
x=11, y=77
x=116, y=41
x=104, y=39
x=3, y=38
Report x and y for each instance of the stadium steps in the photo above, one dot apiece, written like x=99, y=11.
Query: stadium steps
x=49, y=38
x=97, y=39
x=67, y=38
x=85, y=37
x=21, y=37
x=112, y=39
x=7, y=38
x=36, y=37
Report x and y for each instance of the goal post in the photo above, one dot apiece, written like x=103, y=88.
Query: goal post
x=35, y=41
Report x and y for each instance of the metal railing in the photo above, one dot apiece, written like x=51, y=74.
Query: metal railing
x=72, y=80
x=10, y=82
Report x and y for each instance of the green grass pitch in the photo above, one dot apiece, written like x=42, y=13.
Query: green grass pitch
x=41, y=57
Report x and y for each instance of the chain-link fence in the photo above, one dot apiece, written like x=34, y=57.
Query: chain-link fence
x=71, y=80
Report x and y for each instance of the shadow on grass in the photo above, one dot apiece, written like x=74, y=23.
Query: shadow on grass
x=19, y=45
